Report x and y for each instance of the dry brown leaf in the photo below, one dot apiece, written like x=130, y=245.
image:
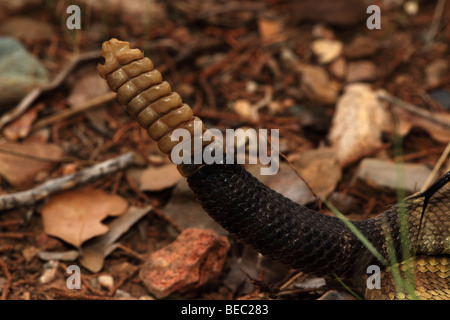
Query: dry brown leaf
x=269, y=29
x=21, y=127
x=317, y=85
x=320, y=170
x=21, y=162
x=76, y=216
x=155, y=178
x=358, y=123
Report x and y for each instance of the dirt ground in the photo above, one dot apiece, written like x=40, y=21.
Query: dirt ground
x=273, y=64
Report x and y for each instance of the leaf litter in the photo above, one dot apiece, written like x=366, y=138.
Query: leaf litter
x=254, y=45
x=76, y=216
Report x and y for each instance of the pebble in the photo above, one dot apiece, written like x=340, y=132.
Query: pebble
x=384, y=174
x=194, y=258
x=49, y=273
x=326, y=50
x=106, y=281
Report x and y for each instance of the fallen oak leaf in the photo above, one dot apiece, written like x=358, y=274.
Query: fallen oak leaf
x=320, y=170
x=75, y=216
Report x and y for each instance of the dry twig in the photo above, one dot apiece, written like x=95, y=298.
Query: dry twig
x=97, y=101
x=414, y=109
x=29, y=197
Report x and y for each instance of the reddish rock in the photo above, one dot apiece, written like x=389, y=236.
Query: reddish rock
x=193, y=259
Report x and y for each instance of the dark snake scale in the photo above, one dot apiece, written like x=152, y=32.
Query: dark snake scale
x=302, y=238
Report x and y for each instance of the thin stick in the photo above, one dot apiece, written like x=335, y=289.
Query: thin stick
x=29, y=197
x=414, y=109
x=95, y=102
x=436, y=168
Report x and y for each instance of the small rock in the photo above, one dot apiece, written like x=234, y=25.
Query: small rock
x=193, y=259
x=384, y=174
x=360, y=47
x=326, y=50
x=122, y=294
x=146, y=298
x=411, y=7
x=317, y=85
x=310, y=283
x=106, y=281
x=321, y=31
x=245, y=109
x=361, y=71
x=337, y=295
x=49, y=273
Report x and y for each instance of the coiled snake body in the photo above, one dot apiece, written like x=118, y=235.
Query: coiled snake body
x=276, y=226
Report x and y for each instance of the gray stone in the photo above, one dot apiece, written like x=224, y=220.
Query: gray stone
x=381, y=173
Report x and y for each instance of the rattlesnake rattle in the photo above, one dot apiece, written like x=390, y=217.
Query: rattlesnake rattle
x=275, y=226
